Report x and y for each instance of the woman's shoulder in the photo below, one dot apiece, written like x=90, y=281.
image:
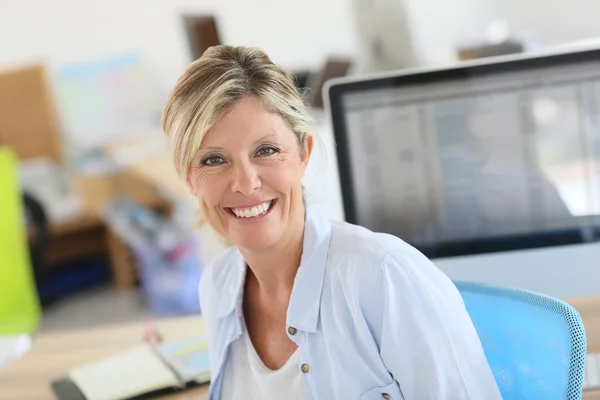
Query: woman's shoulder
x=385, y=274
x=358, y=241
x=380, y=258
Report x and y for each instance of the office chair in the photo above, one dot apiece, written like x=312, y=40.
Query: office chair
x=535, y=344
x=19, y=304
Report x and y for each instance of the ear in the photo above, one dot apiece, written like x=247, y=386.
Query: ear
x=307, y=148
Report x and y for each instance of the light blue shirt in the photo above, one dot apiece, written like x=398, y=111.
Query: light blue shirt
x=372, y=316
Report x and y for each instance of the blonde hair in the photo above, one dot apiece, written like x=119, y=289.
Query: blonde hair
x=213, y=84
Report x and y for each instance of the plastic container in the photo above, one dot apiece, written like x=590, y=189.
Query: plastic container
x=170, y=277
x=166, y=253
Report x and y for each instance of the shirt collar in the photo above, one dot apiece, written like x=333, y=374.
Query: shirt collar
x=231, y=279
x=305, y=301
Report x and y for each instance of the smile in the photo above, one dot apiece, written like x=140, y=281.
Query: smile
x=254, y=211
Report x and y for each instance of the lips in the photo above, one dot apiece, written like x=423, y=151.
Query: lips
x=254, y=211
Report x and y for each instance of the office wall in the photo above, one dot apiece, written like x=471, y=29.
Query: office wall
x=417, y=32
x=551, y=22
x=296, y=34
x=438, y=27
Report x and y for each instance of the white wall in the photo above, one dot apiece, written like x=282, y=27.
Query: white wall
x=551, y=21
x=296, y=34
x=439, y=27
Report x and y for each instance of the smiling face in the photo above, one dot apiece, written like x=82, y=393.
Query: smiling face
x=247, y=175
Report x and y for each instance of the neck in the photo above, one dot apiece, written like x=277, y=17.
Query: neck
x=274, y=269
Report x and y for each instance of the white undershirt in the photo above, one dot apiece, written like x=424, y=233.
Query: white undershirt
x=246, y=376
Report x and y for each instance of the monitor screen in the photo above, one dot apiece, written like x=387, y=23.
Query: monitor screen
x=488, y=156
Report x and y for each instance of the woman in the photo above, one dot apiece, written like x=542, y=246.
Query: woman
x=301, y=307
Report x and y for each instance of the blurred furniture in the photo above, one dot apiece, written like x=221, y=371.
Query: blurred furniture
x=19, y=305
x=53, y=354
x=151, y=181
x=202, y=33
x=333, y=68
x=535, y=344
x=30, y=128
x=489, y=50
x=37, y=233
x=98, y=193
x=28, y=123
x=589, y=310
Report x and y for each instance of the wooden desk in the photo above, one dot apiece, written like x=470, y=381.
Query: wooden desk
x=76, y=239
x=53, y=354
x=90, y=236
x=589, y=309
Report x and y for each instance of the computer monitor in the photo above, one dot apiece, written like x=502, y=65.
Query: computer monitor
x=491, y=168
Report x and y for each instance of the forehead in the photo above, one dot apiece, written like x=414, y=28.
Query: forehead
x=247, y=122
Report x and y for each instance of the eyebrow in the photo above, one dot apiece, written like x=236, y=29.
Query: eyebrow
x=270, y=135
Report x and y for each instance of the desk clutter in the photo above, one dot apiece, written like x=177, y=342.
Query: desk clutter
x=166, y=253
x=142, y=371
x=591, y=378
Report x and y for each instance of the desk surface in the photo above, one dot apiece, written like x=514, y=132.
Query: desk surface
x=54, y=353
x=589, y=309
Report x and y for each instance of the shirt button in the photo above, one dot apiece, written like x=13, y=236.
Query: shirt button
x=386, y=396
x=304, y=368
x=292, y=331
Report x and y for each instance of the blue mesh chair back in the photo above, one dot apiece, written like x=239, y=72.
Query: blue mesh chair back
x=535, y=344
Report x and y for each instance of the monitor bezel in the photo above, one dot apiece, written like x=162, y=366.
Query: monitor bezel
x=335, y=90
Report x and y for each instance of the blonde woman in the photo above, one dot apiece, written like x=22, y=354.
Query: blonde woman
x=301, y=307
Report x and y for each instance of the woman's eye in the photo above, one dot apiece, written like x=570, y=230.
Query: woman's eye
x=267, y=151
x=212, y=160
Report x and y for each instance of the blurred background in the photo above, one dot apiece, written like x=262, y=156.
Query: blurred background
x=111, y=232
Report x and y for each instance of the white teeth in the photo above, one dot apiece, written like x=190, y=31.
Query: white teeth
x=253, y=211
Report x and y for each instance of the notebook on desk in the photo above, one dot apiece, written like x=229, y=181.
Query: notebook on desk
x=140, y=372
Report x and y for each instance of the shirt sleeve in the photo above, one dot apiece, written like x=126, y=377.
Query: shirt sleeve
x=428, y=341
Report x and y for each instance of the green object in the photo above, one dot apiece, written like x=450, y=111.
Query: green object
x=20, y=309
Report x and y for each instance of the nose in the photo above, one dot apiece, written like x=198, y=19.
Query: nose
x=245, y=179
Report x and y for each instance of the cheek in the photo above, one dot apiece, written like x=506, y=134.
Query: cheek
x=207, y=188
x=282, y=175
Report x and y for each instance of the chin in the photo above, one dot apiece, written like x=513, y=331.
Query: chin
x=255, y=242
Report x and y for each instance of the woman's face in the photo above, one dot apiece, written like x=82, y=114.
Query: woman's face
x=247, y=176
